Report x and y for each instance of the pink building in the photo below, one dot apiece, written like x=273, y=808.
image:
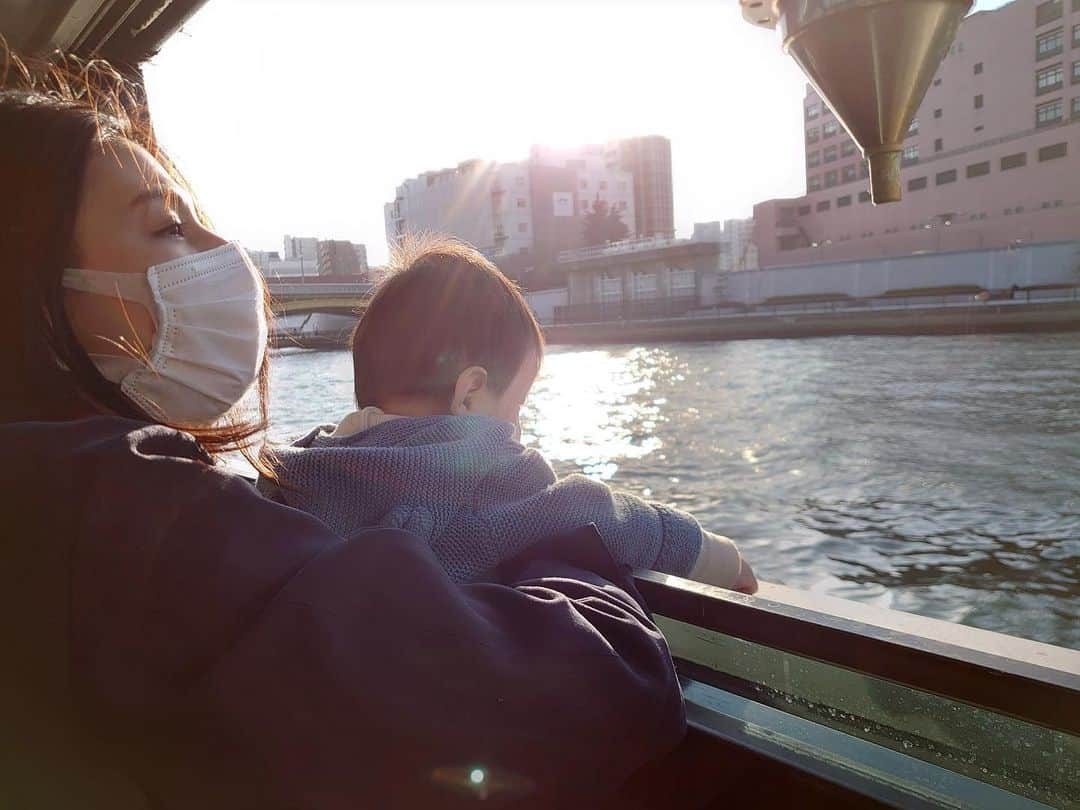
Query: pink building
x=991, y=159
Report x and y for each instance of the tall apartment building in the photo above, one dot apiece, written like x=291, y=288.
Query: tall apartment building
x=992, y=157
x=340, y=257
x=648, y=159
x=527, y=212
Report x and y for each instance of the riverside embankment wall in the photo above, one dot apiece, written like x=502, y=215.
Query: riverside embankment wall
x=1023, y=265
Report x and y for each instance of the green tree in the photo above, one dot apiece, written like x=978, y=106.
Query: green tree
x=602, y=224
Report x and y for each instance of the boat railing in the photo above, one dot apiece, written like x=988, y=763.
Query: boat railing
x=899, y=709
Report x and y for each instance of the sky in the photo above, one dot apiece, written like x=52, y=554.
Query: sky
x=303, y=116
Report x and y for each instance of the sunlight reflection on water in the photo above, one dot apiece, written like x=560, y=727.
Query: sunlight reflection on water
x=595, y=409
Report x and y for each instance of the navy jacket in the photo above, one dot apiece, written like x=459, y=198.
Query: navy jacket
x=172, y=639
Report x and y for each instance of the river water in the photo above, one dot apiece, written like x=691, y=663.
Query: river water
x=935, y=475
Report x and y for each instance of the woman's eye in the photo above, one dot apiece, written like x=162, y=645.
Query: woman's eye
x=174, y=228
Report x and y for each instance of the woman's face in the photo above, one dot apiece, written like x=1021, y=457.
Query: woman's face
x=132, y=215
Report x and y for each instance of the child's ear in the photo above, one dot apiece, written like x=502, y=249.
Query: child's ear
x=470, y=384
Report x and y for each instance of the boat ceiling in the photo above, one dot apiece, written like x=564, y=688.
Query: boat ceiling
x=123, y=31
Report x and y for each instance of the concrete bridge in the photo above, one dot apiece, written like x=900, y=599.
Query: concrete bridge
x=333, y=298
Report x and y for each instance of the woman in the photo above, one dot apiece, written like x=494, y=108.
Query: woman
x=176, y=640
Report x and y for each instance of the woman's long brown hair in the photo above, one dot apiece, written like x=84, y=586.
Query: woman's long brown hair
x=52, y=114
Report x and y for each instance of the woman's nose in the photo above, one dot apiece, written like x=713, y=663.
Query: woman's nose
x=206, y=239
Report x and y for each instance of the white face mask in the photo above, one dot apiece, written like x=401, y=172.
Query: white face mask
x=211, y=333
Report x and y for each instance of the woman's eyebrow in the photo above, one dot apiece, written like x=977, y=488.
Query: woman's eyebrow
x=146, y=195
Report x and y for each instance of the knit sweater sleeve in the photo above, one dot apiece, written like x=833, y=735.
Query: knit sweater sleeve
x=524, y=499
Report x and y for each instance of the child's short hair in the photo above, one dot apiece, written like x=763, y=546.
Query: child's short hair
x=443, y=308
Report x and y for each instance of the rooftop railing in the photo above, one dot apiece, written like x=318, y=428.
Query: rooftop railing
x=618, y=248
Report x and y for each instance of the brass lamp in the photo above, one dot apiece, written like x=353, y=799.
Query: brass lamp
x=871, y=61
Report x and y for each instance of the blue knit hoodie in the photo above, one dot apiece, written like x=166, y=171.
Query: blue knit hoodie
x=463, y=484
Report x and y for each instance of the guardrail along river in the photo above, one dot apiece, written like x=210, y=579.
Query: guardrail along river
x=935, y=475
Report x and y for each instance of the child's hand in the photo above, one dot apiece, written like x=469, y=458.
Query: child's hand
x=745, y=582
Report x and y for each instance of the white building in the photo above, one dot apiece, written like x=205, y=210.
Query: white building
x=483, y=203
x=287, y=268
x=505, y=209
x=300, y=247
x=736, y=236
x=261, y=257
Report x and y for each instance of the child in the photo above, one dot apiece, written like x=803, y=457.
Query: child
x=443, y=359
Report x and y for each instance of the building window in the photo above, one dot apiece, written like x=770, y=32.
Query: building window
x=813, y=111
x=913, y=127
x=829, y=128
x=683, y=282
x=978, y=169
x=1049, y=79
x=804, y=210
x=943, y=178
x=864, y=196
x=1076, y=35
x=848, y=173
x=1052, y=152
x=814, y=183
x=1014, y=161
x=911, y=155
x=937, y=113
x=847, y=148
x=864, y=169
x=1076, y=72
x=1050, y=43
x=843, y=202
x=813, y=159
x=521, y=203
x=978, y=68
x=1049, y=113
x=830, y=178
x=812, y=135
x=830, y=154
x=1048, y=12
x=523, y=227
x=978, y=101
x=822, y=206
x=938, y=144
x=916, y=184
x=608, y=287
x=644, y=286
x=1076, y=107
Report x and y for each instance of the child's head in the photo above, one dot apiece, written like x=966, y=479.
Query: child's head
x=446, y=333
